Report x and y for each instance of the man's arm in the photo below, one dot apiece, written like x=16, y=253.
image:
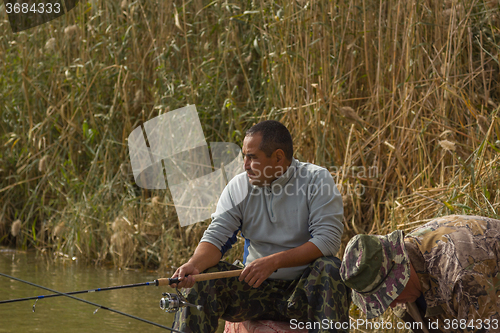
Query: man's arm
x=260, y=269
x=206, y=255
x=476, y=301
x=219, y=234
x=326, y=213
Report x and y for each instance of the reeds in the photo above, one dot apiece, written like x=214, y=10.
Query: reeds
x=399, y=99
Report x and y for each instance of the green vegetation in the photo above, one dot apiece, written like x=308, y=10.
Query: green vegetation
x=399, y=99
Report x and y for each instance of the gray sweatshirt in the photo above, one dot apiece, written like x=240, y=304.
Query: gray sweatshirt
x=302, y=205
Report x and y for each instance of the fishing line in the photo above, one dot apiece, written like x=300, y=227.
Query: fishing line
x=91, y=303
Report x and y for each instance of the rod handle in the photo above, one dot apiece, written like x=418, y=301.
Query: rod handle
x=201, y=277
x=217, y=275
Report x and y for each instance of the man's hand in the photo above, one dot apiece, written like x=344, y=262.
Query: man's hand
x=206, y=255
x=258, y=271
x=181, y=272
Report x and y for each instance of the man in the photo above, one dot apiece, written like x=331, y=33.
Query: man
x=290, y=214
x=444, y=275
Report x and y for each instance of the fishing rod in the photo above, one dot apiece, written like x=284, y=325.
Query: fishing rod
x=78, y=292
x=171, y=303
x=158, y=282
x=91, y=303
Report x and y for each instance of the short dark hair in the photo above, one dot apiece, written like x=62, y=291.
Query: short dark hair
x=275, y=136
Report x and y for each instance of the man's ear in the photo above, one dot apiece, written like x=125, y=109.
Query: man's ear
x=280, y=156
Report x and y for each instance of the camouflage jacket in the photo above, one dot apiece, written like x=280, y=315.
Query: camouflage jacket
x=457, y=262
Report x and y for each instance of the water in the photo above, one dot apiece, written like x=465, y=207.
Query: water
x=62, y=314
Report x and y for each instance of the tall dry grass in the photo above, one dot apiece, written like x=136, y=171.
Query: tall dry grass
x=399, y=99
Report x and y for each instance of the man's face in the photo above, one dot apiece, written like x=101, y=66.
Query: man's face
x=261, y=170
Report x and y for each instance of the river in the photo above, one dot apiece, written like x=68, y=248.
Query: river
x=62, y=314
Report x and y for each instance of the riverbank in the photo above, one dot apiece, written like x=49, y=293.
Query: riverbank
x=399, y=100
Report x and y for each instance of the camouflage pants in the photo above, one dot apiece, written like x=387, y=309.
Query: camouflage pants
x=318, y=296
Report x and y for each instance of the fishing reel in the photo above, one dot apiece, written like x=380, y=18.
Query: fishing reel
x=173, y=302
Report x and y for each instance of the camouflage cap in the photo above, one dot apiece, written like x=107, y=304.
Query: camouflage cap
x=377, y=269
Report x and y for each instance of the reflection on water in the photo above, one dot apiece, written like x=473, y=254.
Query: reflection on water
x=62, y=314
